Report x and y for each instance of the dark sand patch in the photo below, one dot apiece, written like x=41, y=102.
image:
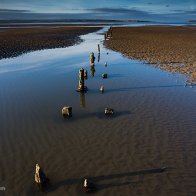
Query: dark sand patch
x=170, y=48
x=14, y=42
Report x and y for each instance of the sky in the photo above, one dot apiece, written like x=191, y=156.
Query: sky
x=177, y=10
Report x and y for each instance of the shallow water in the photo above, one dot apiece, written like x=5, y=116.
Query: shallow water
x=153, y=127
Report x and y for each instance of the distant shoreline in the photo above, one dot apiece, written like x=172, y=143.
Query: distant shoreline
x=16, y=41
x=170, y=48
x=47, y=21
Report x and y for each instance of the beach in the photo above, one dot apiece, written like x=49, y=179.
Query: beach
x=146, y=148
x=16, y=41
x=170, y=48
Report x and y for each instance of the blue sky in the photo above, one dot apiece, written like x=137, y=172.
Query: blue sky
x=108, y=9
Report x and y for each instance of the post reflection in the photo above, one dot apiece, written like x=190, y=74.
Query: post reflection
x=92, y=70
x=98, y=59
x=82, y=100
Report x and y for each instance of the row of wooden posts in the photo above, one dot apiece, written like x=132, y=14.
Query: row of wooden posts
x=108, y=34
x=40, y=178
x=43, y=182
x=67, y=110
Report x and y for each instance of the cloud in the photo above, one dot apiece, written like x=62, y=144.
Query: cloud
x=100, y=13
x=122, y=12
x=13, y=11
x=116, y=10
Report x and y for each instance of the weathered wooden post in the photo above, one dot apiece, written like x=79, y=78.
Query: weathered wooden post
x=40, y=178
x=109, y=111
x=102, y=89
x=81, y=87
x=81, y=80
x=104, y=75
x=98, y=48
x=67, y=111
x=92, y=58
x=111, y=31
x=88, y=186
x=92, y=70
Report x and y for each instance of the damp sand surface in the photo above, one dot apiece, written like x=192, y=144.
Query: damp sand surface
x=153, y=126
x=170, y=48
x=16, y=41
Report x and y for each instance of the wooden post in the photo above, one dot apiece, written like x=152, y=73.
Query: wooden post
x=109, y=111
x=104, y=75
x=81, y=87
x=111, y=31
x=102, y=89
x=81, y=79
x=67, y=111
x=40, y=178
x=88, y=186
x=92, y=58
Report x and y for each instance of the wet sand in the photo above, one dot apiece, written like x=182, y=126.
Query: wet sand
x=14, y=42
x=169, y=48
x=153, y=125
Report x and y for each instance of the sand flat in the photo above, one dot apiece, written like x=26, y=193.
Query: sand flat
x=16, y=41
x=167, y=47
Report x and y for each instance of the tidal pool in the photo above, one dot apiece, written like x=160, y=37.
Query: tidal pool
x=154, y=125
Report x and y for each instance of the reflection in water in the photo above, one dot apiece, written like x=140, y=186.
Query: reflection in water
x=98, y=57
x=82, y=100
x=92, y=70
x=98, y=48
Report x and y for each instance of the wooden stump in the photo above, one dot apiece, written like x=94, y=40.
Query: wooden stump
x=67, y=111
x=109, y=111
x=40, y=178
x=104, y=75
x=102, y=89
x=92, y=58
